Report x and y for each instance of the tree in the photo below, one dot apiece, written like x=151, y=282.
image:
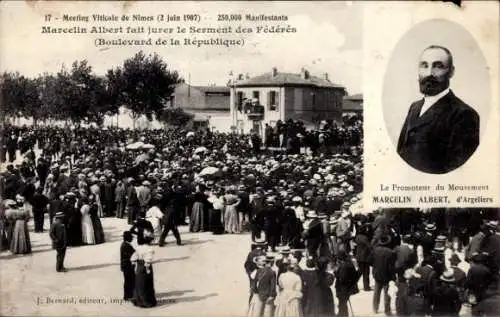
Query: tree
x=146, y=84
x=174, y=117
x=13, y=90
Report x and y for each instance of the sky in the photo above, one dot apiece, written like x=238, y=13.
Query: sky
x=328, y=39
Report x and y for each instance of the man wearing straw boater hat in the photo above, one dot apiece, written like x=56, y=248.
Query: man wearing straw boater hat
x=384, y=271
x=59, y=240
x=258, y=249
x=263, y=287
x=313, y=234
x=446, y=299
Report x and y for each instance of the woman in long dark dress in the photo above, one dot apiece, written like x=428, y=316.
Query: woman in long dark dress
x=325, y=279
x=74, y=225
x=96, y=222
x=144, y=291
x=311, y=300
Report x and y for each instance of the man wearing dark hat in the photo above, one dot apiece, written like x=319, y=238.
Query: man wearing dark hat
x=428, y=239
x=243, y=207
x=258, y=249
x=133, y=205
x=170, y=220
x=126, y=251
x=313, y=234
x=446, y=299
x=59, y=240
x=406, y=257
x=383, y=272
x=427, y=281
x=459, y=275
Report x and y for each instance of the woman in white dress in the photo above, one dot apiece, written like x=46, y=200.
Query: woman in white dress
x=231, y=223
x=288, y=303
x=88, y=236
x=154, y=216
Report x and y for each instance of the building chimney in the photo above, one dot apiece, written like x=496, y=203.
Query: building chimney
x=326, y=77
x=247, y=76
x=275, y=71
x=240, y=76
x=304, y=73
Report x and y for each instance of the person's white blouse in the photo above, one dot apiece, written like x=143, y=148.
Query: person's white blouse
x=143, y=252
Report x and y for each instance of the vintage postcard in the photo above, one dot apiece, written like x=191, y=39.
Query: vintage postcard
x=208, y=158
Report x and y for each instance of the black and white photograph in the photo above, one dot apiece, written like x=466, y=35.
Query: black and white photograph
x=194, y=176
x=431, y=139
x=440, y=131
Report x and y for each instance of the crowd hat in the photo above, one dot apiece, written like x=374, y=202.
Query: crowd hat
x=312, y=214
x=440, y=244
x=430, y=227
x=285, y=249
x=59, y=215
x=454, y=260
x=385, y=240
x=492, y=225
x=259, y=241
x=448, y=276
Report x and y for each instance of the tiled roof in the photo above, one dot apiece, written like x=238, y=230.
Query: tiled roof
x=219, y=89
x=285, y=79
x=358, y=97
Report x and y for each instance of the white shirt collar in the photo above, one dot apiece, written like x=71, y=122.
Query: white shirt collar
x=431, y=100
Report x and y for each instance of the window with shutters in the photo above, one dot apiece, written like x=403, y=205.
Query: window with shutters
x=272, y=100
x=240, y=96
x=256, y=95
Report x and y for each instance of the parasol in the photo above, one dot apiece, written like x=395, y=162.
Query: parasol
x=190, y=133
x=210, y=170
x=200, y=149
x=147, y=146
x=141, y=158
x=134, y=146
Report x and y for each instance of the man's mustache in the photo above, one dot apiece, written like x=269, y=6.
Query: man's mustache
x=428, y=80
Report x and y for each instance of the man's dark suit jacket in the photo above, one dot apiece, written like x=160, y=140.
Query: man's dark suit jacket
x=126, y=251
x=384, y=260
x=405, y=257
x=265, y=283
x=58, y=235
x=442, y=139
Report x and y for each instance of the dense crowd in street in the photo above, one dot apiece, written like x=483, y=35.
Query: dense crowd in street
x=298, y=193
x=158, y=180
x=424, y=262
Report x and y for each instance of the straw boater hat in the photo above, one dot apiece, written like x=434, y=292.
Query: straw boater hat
x=312, y=214
x=448, y=276
x=259, y=241
x=430, y=227
x=59, y=215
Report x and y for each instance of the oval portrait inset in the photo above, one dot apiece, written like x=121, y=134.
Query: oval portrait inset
x=436, y=96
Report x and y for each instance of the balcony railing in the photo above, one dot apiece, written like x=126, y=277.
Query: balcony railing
x=254, y=112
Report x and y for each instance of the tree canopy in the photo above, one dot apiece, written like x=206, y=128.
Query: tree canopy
x=143, y=84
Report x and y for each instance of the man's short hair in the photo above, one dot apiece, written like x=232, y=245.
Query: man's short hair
x=447, y=51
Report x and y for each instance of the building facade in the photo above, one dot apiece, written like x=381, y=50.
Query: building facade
x=210, y=105
x=274, y=96
x=353, y=105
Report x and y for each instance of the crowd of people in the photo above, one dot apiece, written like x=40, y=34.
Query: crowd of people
x=417, y=259
x=312, y=241
x=158, y=180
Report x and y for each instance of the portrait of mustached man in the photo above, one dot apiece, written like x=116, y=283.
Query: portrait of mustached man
x=441, y=132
